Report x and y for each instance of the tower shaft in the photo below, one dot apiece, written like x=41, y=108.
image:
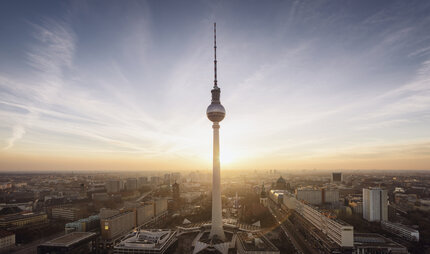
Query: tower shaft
x=216, y=228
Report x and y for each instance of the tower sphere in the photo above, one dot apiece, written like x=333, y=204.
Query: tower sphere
x=215, y=112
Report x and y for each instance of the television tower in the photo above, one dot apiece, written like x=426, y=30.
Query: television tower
x=216, y=113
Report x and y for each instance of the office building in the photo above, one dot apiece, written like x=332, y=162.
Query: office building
x=376, y=244
x=317, y=196
x=176, y=176
x=160, y=206
x=107, y=212
x=155, y=179
x=375, y=204
x=22, y=220
x=66, y=213
x=113, y=186
x=144, y=214
x=176, y=196
x=155, y=241
x=401, y=230
x=131, y=184
x=75, y=242
x=338, y=231
x=309, y=195
x=167, y=179
x=336, y=177
x=83, y=225
x=142, y=181
x=7, y=240
x=117, y=225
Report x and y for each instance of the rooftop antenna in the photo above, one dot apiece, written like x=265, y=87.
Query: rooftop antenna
x=215, y=80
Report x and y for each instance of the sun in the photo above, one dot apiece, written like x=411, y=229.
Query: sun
x=228, y=157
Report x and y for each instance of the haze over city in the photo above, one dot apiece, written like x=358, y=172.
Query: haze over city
x=122, y=85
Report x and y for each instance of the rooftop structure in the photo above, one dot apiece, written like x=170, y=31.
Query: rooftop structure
x=22, y=219
x=375, y=243
x=404, y=231
x=155, y=241
x=248, y=243
x=75, y=242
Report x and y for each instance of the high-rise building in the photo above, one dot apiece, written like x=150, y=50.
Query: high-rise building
x=336, y=177
x=167, y=178
x=176, y=176
x=131, y=184
x=113, y=186
x=375, y=204
x=66, y=213
x=176, y=195
x=155, y=179
x=143, y=180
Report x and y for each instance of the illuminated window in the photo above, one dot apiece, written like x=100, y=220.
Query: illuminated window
x=106, y=227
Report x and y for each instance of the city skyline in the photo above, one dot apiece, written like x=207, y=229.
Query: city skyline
x=123, y=85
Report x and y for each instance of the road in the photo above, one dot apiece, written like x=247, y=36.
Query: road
x=143, y=196
x=288, y=228
x=288, y=234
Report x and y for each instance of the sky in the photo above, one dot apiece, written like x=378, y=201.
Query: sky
x=124, y=85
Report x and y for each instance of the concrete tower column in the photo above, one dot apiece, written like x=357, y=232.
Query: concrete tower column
x=216, y=113
x=217, y=228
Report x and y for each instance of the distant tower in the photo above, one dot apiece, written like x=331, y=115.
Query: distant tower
x=216, y=112
x=175, y=195
x=336, y=177
x=236, y=201
x=263, y=196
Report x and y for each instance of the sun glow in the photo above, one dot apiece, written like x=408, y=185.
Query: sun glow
x=229, y=157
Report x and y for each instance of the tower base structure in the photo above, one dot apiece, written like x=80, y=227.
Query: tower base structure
x=237, y=236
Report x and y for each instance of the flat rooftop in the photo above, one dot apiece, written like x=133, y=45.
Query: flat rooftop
x=255, y=242
x=20, y=216
x=69, y=239
x=151, y=239
x=374, y=240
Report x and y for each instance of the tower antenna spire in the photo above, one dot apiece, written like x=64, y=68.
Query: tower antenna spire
x=215, y=79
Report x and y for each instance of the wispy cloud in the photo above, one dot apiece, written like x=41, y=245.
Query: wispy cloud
x=135, y=80
x=17, y=133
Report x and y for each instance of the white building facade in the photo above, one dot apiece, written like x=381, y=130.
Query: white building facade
x=375, y=204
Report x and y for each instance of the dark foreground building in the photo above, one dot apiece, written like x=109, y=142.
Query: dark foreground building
x=73, y=243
